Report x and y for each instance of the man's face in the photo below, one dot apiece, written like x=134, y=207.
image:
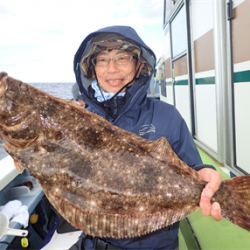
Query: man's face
x=113, y=77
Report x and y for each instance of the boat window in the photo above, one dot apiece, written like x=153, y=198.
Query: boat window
x=168, y=7
x=179, y=38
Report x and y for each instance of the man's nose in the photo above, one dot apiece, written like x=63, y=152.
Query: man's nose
x=112, y=67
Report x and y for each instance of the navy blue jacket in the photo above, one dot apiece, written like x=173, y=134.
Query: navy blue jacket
x=151, y=119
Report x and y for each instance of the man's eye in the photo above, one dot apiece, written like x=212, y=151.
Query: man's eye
x=122, y=58
x=101, y=59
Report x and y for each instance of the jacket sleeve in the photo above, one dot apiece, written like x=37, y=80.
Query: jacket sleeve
x=186, y=149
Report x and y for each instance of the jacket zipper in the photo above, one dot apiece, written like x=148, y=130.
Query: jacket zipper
x=130, y=104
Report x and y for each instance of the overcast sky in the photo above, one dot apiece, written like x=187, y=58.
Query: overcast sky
x=39, y=38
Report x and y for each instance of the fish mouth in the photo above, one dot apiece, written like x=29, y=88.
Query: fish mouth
x=10, y=143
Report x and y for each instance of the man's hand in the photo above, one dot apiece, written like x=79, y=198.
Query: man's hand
x=18, y=166
x=214, y=180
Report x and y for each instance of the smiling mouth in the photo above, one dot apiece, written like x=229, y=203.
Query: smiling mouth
x=111, y=81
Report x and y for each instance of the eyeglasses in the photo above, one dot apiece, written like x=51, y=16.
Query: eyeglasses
x=118, y=60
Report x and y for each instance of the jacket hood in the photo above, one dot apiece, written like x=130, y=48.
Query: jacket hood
x=124, y=31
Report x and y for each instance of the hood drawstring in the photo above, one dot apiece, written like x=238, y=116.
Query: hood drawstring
x=107, y=102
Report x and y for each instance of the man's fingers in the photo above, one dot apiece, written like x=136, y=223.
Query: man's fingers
x=208, y=192
x=208, y=209
x=213, y=178
x=216, y=211
x=205, y=205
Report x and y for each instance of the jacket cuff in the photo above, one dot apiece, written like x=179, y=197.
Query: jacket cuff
x=201, y=166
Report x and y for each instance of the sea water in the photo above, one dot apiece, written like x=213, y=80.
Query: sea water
x=59, y=90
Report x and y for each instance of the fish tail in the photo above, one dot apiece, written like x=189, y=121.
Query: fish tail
x=234, y=199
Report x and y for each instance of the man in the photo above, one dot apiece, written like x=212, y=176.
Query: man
x=113, y=69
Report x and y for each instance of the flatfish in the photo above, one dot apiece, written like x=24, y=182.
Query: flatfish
x=104, y=180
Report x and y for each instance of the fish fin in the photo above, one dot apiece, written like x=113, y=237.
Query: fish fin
x=74, y=104
x=162, y=148
x=112, y=225
x=234, y=199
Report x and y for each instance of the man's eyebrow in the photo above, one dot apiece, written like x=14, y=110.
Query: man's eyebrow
x=102, y=53
x=105, y=52
x=121, y=52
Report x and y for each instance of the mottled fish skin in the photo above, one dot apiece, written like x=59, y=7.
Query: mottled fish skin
x=103, y=180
